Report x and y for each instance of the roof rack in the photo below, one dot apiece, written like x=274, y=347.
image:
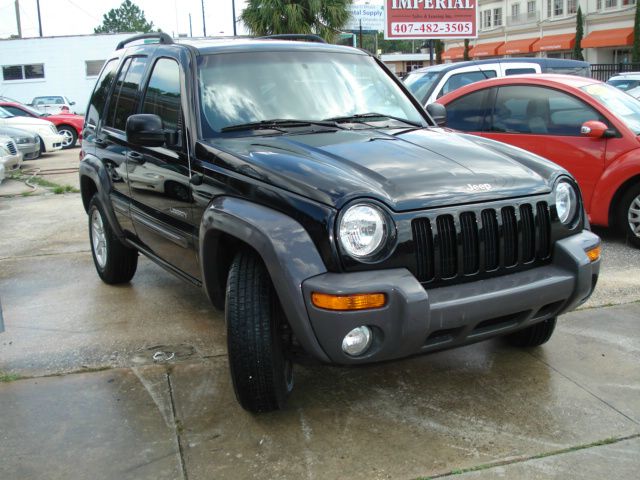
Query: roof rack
x=161, y=36
x=295, y=36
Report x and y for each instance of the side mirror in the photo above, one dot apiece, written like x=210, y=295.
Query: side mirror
x=593, y=129
x=72, y=103
x=145, y=129
x=438, y=112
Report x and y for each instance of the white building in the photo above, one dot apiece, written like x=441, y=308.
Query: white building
x=68, y=66
x=547, y=28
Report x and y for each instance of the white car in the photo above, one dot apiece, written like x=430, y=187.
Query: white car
x=10, y=156
x=53, y=104
x=625, y=81
x=46, y=130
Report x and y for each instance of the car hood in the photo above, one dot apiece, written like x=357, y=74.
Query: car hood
x=418, y=169
x=16, y=132
x=24, y=122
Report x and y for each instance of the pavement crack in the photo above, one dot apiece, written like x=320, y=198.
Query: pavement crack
x=522, y=459
x=178, y=428
x=582, y=387
x=54, y=254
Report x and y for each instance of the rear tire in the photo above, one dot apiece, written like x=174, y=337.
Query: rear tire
x=262, y=376
x=115, y=262
x=70, y=136
x=629, y=215
x=534, y=335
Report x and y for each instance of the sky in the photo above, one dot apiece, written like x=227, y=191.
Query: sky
x=77, y=17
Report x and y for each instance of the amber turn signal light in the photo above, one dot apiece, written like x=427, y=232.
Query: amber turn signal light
x=594, y=253
x=357, y=301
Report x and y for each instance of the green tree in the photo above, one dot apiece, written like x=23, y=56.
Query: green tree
x=272, y=17
x=465, y=55
x=577, y=48
x=126, y=18
x=635, y=53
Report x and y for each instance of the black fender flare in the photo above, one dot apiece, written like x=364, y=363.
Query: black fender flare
x=285, y=247
x=92, y=168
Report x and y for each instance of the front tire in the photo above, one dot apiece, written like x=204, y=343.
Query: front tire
x=533, y=336
x=115, y=262
x=70, y=136
x=629, y=215
x=262, y=375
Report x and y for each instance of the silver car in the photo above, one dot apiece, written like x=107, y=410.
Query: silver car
x=10, y=156
x=27, y=142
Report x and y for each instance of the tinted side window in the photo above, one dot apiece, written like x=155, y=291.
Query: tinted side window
x=162, y=97
x=519, y=71
x=467, y=113
x=124, y=96
x=99, y=96
x=461, y=79
x=15, y=111
x=540, y=111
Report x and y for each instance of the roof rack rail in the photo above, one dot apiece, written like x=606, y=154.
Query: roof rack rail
x=161, y=36
x=295, y=36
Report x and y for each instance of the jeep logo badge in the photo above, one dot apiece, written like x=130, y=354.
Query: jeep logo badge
x=479, y=187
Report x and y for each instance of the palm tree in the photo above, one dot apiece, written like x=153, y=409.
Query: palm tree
x=322, y=17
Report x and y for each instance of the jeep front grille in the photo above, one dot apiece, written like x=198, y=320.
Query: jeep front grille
x=481, y=241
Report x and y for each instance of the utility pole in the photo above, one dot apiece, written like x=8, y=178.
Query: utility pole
x=190, y=29
x=18, y=18
x=233, y=7
x=204, y=25
x=39, y=20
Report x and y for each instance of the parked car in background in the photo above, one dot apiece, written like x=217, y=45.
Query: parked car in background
x=10, y=156
x=587, y=126
x=53, y=104
x=50, y=139
x=625, y=81
x=69, y=125
x=27, y=142
x=430, y=83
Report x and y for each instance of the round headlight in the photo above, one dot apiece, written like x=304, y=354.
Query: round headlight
x=566, y=202
x=362, y=230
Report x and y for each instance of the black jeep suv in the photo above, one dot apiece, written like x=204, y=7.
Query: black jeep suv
x=317, y=203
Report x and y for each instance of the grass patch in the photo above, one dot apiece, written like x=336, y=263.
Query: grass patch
x=9, y=377
x=64, y=189
x=34, y=180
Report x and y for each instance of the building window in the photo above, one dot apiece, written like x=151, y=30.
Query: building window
x=412, y=65
x=515, y=10
x=531, y=7
x=572, y=6
x=486, y=19
x=93, y=67
x=628, y=2
x=610, y=3
x=558, y=7
x=23, y=72
x=497, y=17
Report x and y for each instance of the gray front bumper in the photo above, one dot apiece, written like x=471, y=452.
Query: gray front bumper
x=416, y=320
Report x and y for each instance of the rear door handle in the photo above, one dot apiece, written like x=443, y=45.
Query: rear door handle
x=135, y=157
x=99, y=142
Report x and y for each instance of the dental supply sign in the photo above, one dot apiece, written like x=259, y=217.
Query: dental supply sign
x=420, y=19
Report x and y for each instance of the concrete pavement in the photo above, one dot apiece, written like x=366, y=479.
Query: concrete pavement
x=94, y=403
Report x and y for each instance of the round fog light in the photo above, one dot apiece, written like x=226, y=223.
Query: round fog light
x=357, y=341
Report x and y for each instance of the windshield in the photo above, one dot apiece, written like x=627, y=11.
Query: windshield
x=624, y=106
x=242, y=88
x=624, y=84
x=5, y=113
x=421, y=84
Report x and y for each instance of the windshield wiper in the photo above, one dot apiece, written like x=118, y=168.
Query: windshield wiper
x=360, y=116
x=278, y=124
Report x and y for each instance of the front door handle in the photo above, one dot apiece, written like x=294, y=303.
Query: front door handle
x=135, y=157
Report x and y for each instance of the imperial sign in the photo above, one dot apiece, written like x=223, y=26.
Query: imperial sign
x=418, y=19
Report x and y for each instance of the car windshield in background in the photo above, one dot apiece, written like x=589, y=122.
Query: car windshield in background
x=624, y=84
x=5, y=113
x=253, y=87
x=421, y=84
x=624, y=106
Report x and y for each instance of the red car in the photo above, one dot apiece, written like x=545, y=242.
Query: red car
x=69, y=125
x=588, y=127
